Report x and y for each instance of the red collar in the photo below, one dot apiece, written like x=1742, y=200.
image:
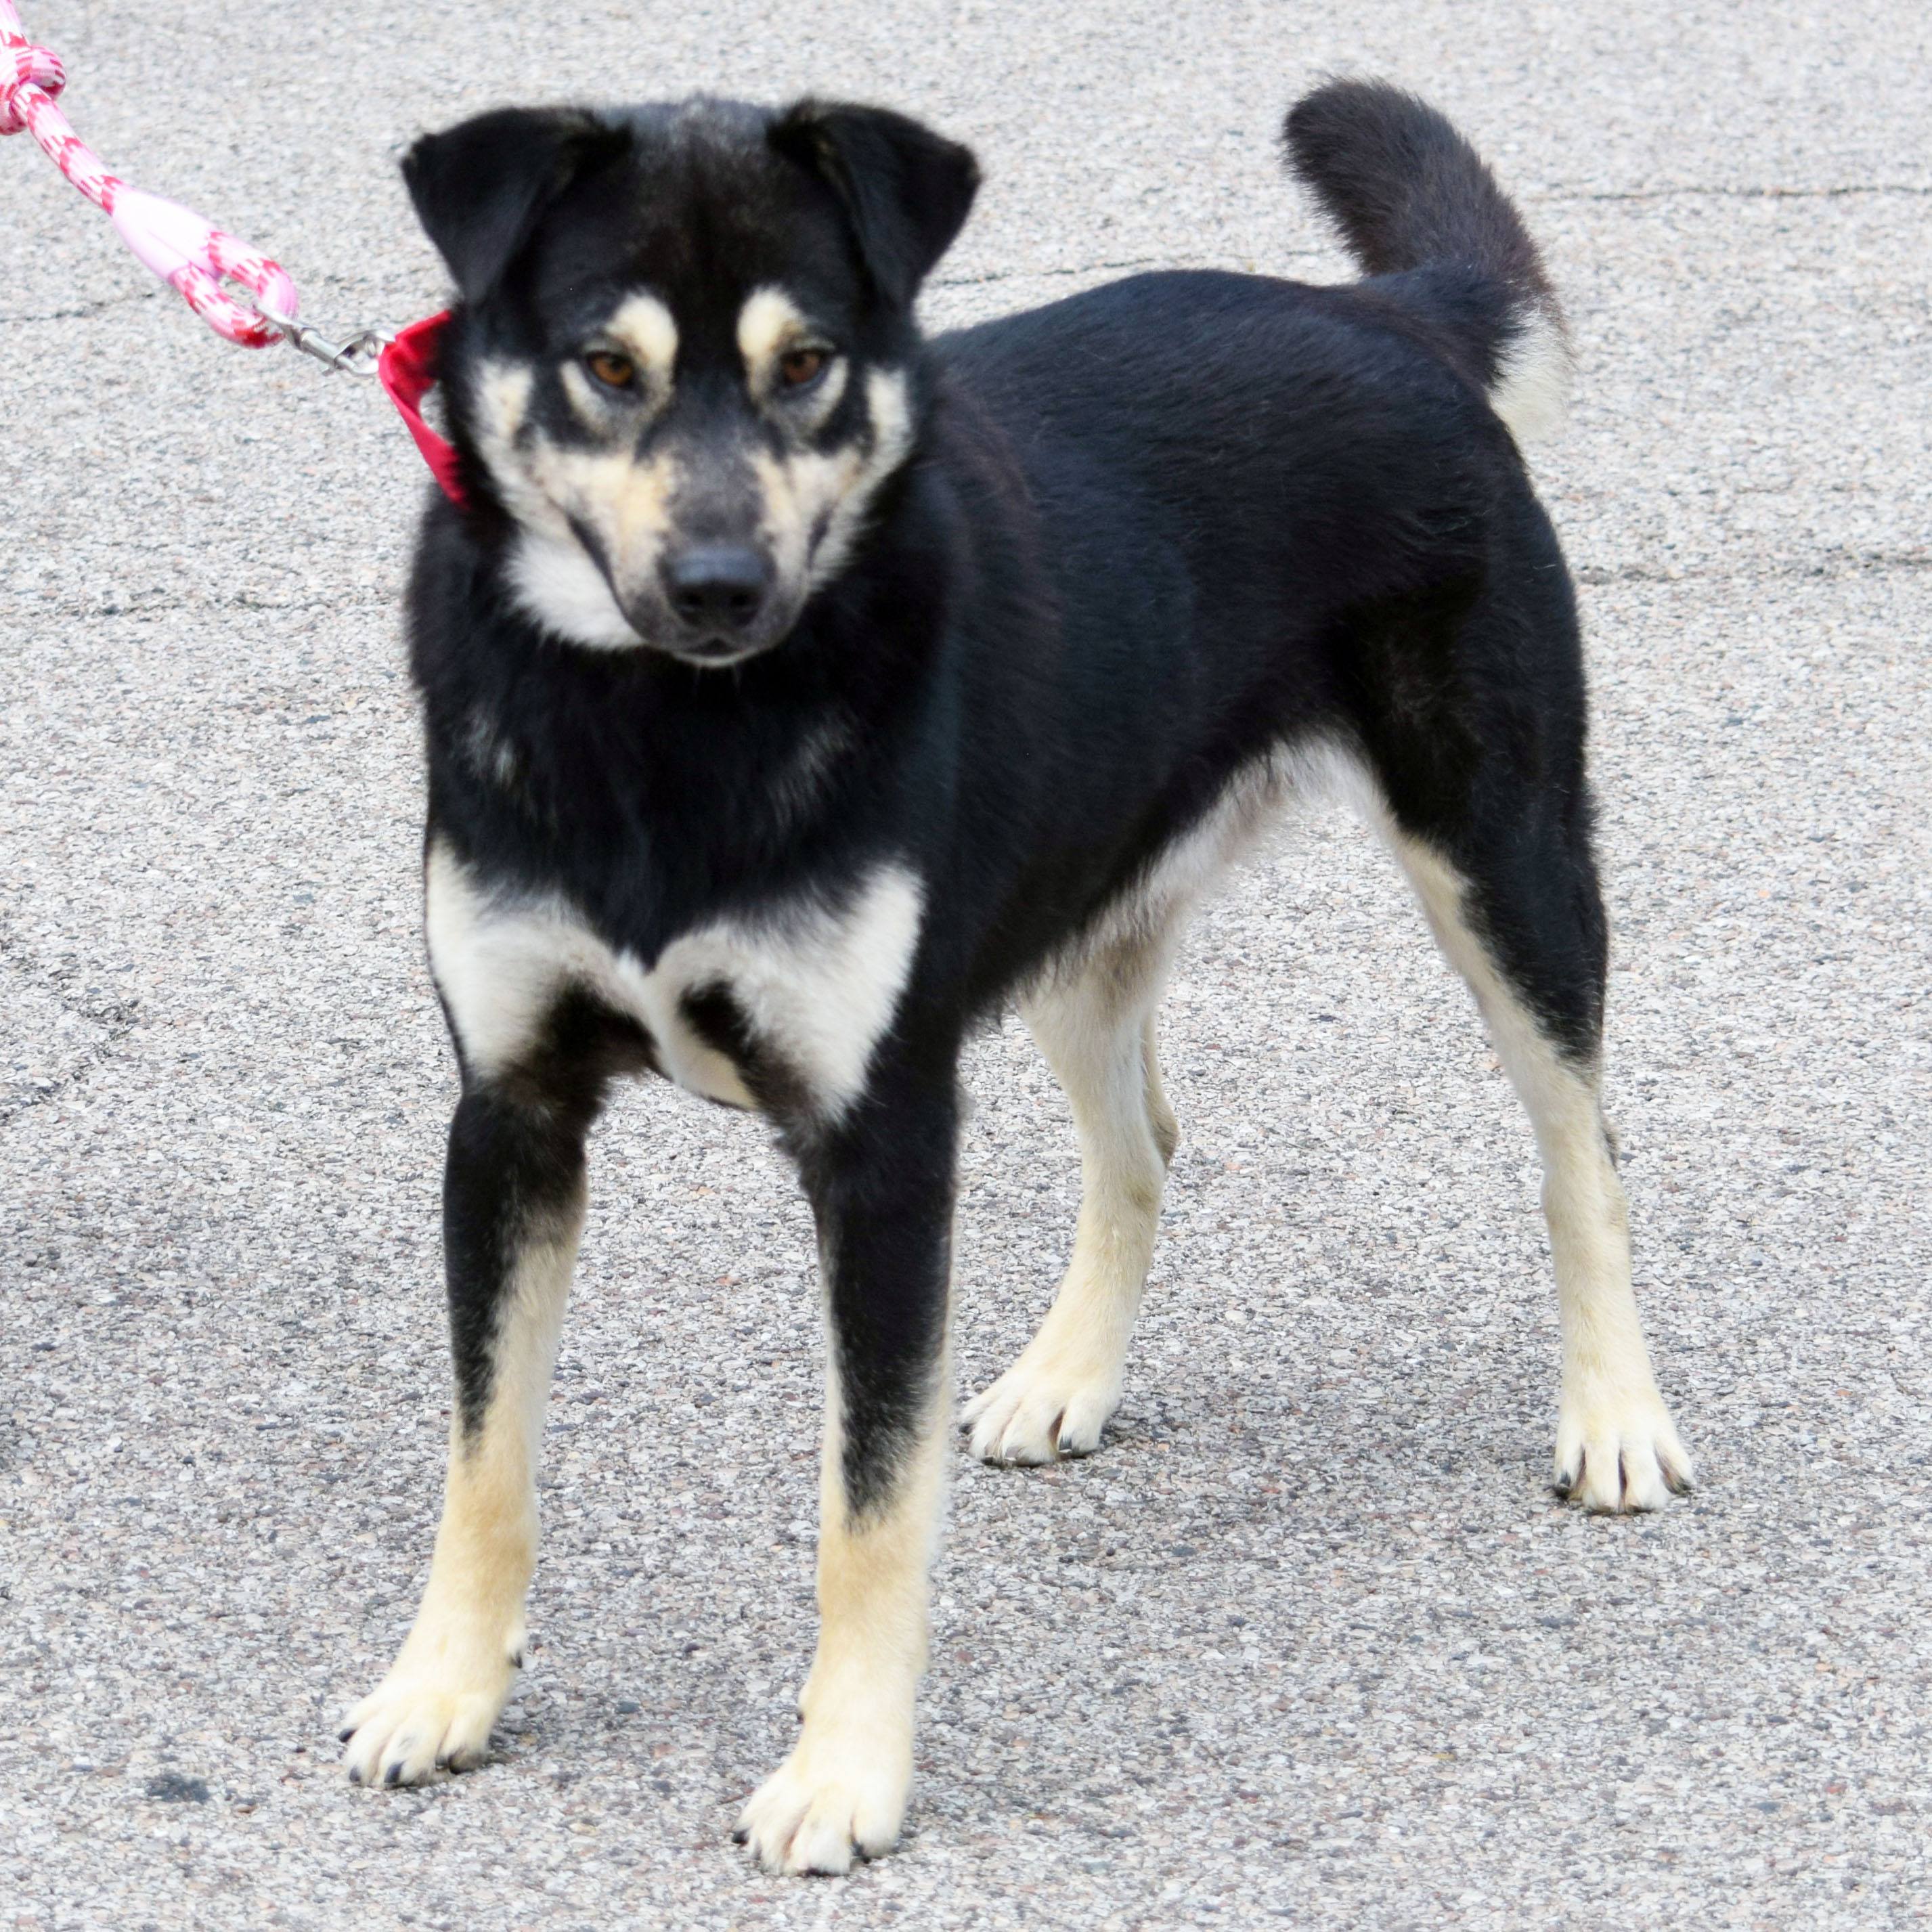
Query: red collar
x=407, y=370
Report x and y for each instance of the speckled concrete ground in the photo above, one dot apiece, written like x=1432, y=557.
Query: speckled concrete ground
x=1308, y=1642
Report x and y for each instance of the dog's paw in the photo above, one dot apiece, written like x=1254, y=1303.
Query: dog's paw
x=1044, y=1406
x=1617, y=1450
x=433, y=1712
x=840, y=1794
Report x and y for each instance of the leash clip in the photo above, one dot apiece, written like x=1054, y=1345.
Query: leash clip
x=358, y=356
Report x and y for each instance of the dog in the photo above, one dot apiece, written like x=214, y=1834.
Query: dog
x=799, y=692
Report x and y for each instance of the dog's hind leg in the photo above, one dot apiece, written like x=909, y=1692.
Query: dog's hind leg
x=1095, y=1026
x=1509, y=927
x=881, y=1187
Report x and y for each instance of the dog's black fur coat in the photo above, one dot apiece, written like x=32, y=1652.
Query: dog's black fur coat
x=1143, y=541
x=1148, y=534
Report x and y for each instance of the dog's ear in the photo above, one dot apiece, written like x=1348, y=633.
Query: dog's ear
x=906, y=190
x=479, y=187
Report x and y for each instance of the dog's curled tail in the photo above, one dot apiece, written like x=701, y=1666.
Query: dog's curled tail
x=1409, y=193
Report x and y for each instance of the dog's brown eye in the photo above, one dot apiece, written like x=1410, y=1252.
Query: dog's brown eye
x=614, y=372
x=797, y=367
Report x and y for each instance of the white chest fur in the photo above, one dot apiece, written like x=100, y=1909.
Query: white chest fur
x=818, y=985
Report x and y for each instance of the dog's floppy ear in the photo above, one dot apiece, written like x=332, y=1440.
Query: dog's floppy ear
x=479, y=187
x=906, y=190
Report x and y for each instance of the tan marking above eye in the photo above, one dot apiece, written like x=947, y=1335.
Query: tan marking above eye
x=645, y=330
x=767, y=324
x=783, y=350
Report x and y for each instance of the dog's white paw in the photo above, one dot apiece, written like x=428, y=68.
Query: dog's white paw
x=433, y=1711
x=842, y=1792
x=1045, y=1406
x=1617, y=1449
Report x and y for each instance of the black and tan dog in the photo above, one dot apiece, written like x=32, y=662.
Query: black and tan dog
x=799, y=691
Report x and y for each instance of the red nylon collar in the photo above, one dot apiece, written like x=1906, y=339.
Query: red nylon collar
x=407, y=371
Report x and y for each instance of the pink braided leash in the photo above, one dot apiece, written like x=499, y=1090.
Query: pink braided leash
x=186, y=251
x=194, y=257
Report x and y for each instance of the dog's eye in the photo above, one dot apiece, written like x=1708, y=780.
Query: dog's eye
x=613, y=371
x=798, y=367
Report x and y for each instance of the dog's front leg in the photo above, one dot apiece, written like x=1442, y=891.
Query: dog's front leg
x=881, y=1189
x=513, y=1208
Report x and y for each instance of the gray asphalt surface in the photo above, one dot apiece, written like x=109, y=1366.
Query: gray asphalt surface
x=1308, y=1642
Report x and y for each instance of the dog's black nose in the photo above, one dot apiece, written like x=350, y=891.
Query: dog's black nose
x=717, y=586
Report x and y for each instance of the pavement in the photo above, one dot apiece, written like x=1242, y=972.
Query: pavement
x=1309, y=1641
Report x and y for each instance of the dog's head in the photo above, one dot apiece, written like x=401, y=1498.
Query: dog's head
x=685, y=351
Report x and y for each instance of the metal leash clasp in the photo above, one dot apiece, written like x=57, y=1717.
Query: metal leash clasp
x=358, y=356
